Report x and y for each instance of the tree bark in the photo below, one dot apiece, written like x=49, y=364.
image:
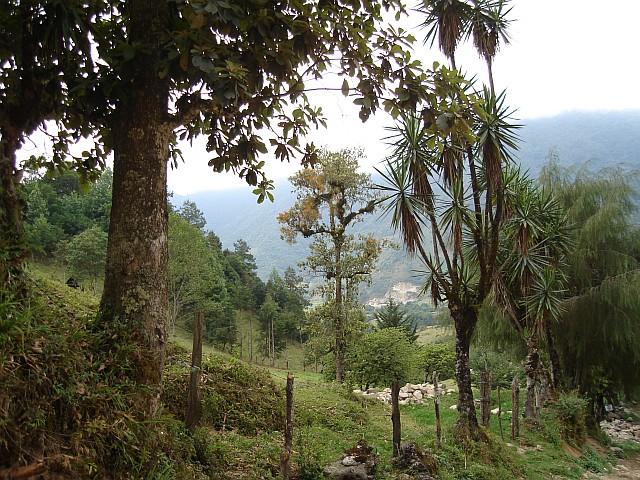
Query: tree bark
x=556, y=366
x=12, y=245
x=436, y=404
x=485, y=398
x=135, y=289
x=465, y=321
x=531, y=370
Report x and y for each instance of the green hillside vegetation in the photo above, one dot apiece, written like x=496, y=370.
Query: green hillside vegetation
x=66, y=403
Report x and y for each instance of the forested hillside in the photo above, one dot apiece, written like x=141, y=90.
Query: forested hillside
x=601, y=139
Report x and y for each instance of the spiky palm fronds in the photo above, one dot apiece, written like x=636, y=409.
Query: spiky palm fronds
x=447, y=20
x=497, y=138
x=489, y=25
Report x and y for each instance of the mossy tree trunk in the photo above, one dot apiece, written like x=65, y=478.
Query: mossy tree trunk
x=135, y=292
x=12, y=245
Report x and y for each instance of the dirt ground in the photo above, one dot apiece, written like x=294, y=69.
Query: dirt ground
x=626, y=469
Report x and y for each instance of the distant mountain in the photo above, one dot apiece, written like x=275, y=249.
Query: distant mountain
x=600, y=138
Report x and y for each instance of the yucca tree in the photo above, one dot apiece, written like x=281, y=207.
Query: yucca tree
x=444, y=179
x=438, y=182
x=598, y=332
x=529, y=285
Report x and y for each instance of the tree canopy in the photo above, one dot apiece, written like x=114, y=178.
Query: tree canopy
x=597, y=331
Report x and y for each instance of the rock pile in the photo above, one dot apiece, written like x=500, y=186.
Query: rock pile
x=409, y=394
x=620, y=427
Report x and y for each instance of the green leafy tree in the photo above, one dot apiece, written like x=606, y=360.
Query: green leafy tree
x=42, y=237
x=220, y=324
x=196, y=278
x=530, y=287
x=381, y=357
x=85, y=255
x=437, y=357
x=269, y=317
x=233, y=72
x=598, y=329
x=392, y=316
x=44, y=47
x=192, y=214
x=445, y=176
x=331, y=199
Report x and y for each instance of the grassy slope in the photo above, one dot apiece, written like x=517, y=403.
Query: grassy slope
x=82, y=413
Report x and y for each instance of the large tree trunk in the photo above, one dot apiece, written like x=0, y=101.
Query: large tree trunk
x=135, y=290
x=465, y=320
x=12, y=245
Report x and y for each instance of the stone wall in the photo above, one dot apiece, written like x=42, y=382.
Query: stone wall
x=409, y=394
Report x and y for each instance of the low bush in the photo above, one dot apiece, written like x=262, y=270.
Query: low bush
x=571, y=410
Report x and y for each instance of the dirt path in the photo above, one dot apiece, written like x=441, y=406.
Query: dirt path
x=626, y=469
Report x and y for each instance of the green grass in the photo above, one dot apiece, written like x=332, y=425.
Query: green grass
x=434, y=334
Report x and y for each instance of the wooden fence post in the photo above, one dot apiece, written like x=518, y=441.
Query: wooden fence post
x=193, y=402
x=500, y=414
x=436, y=404
x=515, y=408
x=485, y=398
x=285, y=455
x=395, y=416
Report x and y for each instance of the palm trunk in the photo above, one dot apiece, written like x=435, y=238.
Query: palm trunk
x=465, y=321
x=556, y=366
x=531, y=369
x=135, y=290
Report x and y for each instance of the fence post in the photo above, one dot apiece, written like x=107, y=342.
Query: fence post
x=485, y=398
x=500, y=414
x=436, y=404
x=285, y=455
x=395, y=416
x=193, y=402
x=515, y=408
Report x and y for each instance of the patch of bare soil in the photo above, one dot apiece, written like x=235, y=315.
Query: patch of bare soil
x=626, y=469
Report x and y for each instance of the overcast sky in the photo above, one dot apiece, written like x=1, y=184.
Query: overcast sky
x=564, y=55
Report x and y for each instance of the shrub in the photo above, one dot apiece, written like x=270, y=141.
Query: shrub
x=381, y=357
x=571, y=410
x=235, y=396
x=440, y=357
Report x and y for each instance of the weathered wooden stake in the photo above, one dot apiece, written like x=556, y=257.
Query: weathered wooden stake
x=500, y=414
x=193, y=403
x=436, y=404
x=395, y=416
x=285, y=455
x=250, y=339
x=515, y=408
x=485, y=398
